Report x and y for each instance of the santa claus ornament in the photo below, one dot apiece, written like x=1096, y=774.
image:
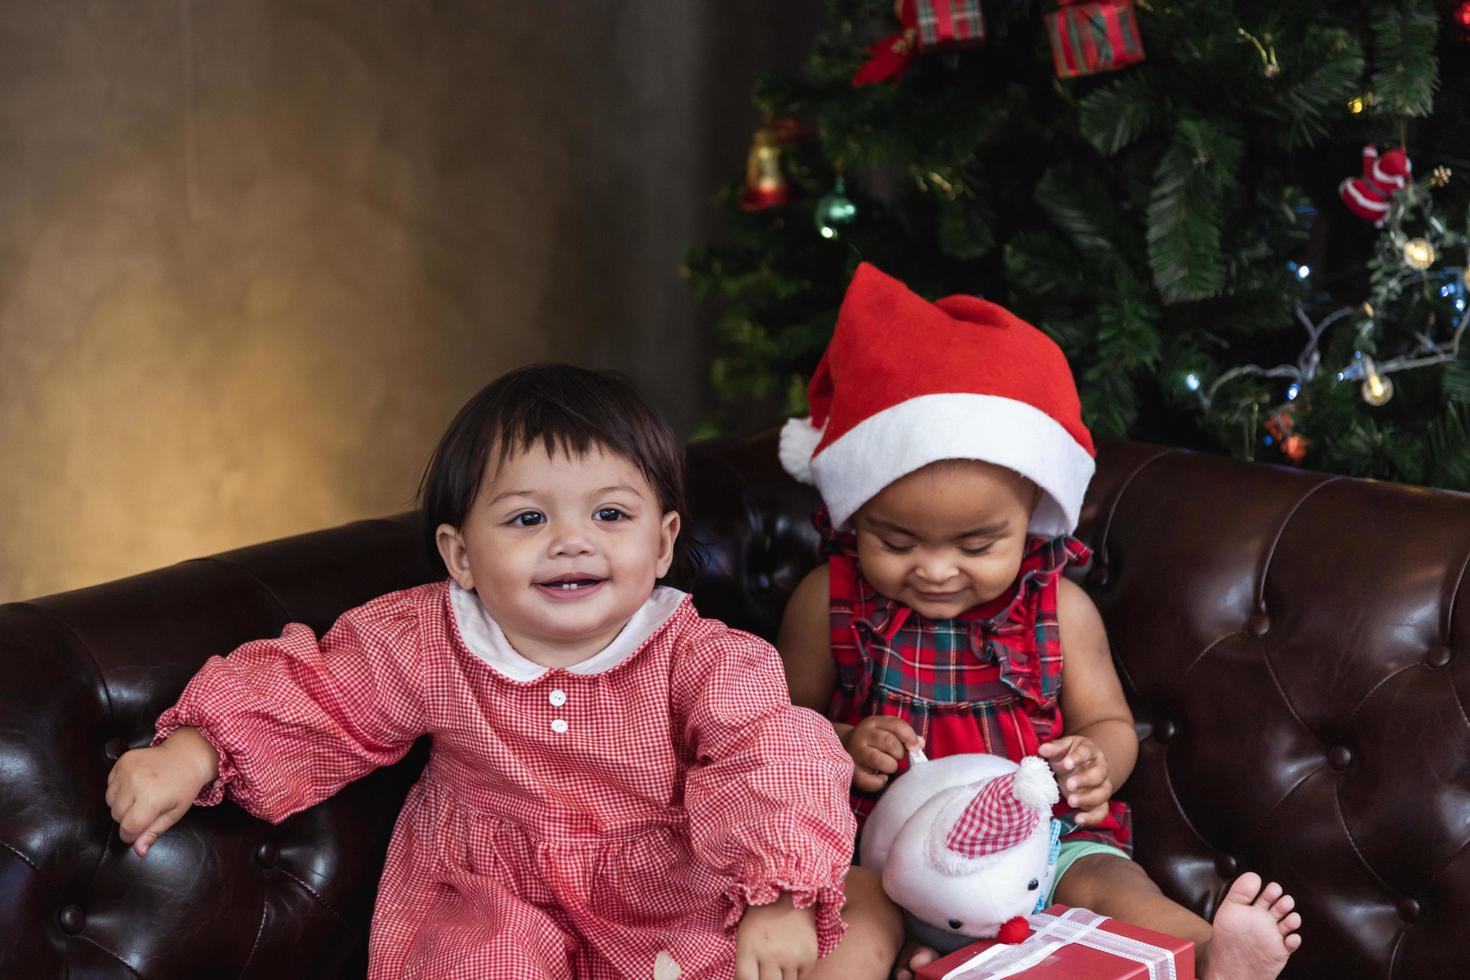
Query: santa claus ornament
x=1369, y=196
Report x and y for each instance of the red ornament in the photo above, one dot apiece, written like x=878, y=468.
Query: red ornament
x=1461, y=19
x=1294, y=448
x=927, y=25
x=1280, y=425
x=1368, y=196
x=1088, y=38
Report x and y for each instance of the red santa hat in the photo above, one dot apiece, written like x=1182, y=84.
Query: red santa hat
x=905, y=383
x=1005, y=812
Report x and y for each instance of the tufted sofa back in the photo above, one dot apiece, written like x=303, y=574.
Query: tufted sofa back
x=1290, y=644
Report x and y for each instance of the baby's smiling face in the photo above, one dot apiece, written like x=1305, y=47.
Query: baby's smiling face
x=947, y=537
x=562, y=550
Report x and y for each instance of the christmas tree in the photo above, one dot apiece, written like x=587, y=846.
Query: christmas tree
x=1177, y=192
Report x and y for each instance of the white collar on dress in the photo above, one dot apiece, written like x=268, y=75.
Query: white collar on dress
x=487, y=641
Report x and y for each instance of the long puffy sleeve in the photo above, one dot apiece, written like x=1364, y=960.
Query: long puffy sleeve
x=295, y=719
x=767, y=789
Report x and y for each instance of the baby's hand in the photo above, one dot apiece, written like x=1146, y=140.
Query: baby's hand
x=1082, y=774
x=776, y=940
x=148, y=790
x=877, y=745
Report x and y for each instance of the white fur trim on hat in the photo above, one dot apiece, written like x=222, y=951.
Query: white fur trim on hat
x=912, y=434
x=799, y=439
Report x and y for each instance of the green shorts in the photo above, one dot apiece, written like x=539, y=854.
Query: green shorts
x=1070, y=851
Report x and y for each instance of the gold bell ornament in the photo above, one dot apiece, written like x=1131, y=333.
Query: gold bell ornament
x=765, y=184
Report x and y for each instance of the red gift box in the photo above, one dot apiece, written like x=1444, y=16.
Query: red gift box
x=1064, y=944
x=1087, y=38
x=943, y=23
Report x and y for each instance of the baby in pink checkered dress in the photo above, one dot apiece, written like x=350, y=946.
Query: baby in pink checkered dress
x=617, y=786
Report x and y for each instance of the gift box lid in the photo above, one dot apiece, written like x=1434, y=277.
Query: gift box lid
x=1073, y=961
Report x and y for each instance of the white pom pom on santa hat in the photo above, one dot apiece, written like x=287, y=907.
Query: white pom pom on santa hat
x=1035, y=785
x=799, y=440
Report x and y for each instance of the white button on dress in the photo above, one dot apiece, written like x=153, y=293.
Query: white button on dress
x=557, y=698
x=559, y=726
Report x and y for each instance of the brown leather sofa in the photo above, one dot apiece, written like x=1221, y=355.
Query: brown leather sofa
x=1293, y=646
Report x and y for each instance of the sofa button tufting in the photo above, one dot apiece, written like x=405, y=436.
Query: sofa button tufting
x=1439, y=657
x=1339, y=757
x=73, y=919
x=1258, y=625
x=1165, y=730
x=1226, y=865
x=113, y=748
x=762, y=582
x=1098, y=577
x=267, y=854
x=1408, y=909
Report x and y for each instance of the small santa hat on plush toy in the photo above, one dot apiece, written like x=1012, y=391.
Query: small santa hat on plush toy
x=906, y=382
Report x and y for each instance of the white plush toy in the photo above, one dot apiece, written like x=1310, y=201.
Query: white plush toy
x=966, y=846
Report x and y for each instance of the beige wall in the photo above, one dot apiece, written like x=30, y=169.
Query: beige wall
x=254, y=254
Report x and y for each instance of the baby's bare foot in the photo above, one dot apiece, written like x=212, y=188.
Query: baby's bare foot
x=1254, y=931
x=913, y=957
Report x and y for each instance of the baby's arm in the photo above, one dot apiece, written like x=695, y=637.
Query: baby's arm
x=879, y=743
x=1100, y=747
x=805, y=644
x=283, y=723
x=150, y=789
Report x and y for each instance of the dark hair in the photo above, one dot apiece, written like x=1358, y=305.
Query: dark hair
x=566, y=409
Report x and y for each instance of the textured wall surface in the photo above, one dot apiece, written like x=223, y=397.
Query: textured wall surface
x=254, y=253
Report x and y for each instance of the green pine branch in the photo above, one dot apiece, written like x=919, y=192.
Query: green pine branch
x=1406, y=72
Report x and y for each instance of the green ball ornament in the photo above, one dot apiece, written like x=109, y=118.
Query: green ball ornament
x=835, y=211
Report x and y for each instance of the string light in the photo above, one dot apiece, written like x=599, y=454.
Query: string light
x=1191, y=381
x=1419, y=254
x=1377, y=390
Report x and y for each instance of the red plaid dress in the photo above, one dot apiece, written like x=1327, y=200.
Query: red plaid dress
x=570, y=822
x=987, y=681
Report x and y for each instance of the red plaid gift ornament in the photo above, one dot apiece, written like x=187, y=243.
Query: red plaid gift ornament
x=945, y=23
x=1089, y=38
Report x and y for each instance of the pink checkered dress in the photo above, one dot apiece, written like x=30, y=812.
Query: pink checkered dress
x=570, y=822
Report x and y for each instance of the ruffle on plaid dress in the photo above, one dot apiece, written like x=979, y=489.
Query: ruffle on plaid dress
x=572, y=822
x=986, y=681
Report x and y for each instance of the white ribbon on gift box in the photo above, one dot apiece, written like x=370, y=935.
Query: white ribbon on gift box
x=1074, y=926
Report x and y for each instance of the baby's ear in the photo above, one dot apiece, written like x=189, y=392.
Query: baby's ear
x=668, y=533
x=455, y=555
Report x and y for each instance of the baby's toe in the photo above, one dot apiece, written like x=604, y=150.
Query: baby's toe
x=923, y=956
x=1269, y=895
x=1290, y=924
x=1292, y=942
x=1283, y=905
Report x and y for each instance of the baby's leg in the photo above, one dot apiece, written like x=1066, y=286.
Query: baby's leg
x=492, y=933
x=874, y=933
x=1254, y=930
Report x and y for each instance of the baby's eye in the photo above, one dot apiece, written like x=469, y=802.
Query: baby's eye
x=897, y=549
x=609, y=514
x=528, y=518
x=977, y=552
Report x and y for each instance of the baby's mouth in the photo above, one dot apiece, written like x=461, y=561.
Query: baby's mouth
x=572, y=584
